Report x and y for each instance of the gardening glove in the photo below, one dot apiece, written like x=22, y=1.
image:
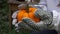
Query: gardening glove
x=24, y=26
x=46, y=16
x=32, y=24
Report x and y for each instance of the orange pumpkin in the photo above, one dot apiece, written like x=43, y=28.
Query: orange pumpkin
x=22, y=13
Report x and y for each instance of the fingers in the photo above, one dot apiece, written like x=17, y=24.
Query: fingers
x=25, y=26
x=28, y=21
x=14, y=21
x=31, y=23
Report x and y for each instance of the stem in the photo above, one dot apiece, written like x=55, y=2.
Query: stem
x=27, y=8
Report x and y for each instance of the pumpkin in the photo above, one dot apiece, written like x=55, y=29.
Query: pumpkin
x=22, y=13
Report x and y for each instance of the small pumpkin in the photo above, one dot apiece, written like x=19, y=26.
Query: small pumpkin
x=22, y=13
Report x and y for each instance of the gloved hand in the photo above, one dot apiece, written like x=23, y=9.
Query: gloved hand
x=36, y=26
x=29, y=24
x=24, y=26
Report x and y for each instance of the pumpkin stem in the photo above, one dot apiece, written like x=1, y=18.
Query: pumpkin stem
x=27, y=8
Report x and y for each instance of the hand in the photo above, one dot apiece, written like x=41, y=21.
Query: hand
x=14, y=21
x=31, y=23
x=24, y=26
